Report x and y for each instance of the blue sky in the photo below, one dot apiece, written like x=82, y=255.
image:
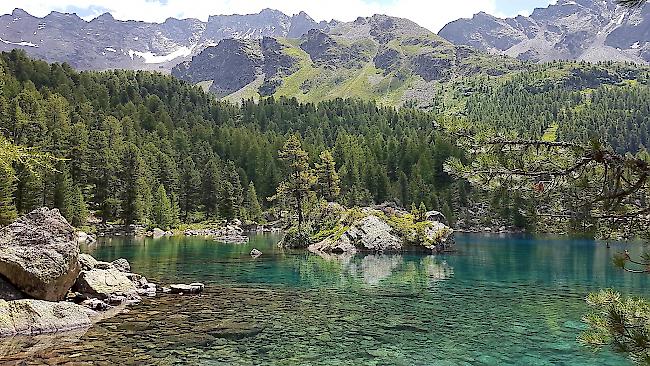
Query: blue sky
x=432, y=14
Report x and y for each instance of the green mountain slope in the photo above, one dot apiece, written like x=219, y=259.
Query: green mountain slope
x=390, y=60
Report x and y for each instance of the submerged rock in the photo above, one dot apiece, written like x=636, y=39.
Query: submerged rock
x=193, y=288
x=255, y=253
x=39, y=254
x=31, y=317
x=104, y=283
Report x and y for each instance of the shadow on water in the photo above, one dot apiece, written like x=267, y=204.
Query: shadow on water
x=501, y=300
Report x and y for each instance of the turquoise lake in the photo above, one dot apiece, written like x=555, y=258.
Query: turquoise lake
x=498, y=301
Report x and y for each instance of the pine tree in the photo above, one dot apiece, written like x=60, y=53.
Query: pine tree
x=63, y=193
x=298, y=185
x=231, y=193
x=7, y=208
x=252, y=204
x=190, y=186
x=328, y=178
x=79, y=208
x=211, y=188
x=162, y=212
x=136, y=194
x=30, y=189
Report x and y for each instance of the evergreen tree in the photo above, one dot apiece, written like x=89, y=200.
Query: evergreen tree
x=63, y=193
x=190, y=186
x=211, y=188
x=79, y=213
x=7, y=208
x=136, y=192
x=300, y=180
x=162, y=212
x=252, y=204
x=231, y=193
x=328, y=178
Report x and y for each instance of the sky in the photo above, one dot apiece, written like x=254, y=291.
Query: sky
x=432, y=14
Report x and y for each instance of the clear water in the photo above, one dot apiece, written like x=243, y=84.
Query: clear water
x=500, y=301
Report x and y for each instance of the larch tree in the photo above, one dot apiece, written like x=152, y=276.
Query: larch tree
x=300, y=179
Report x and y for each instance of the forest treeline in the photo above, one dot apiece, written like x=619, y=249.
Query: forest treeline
x=142, y=147
x=146, y=148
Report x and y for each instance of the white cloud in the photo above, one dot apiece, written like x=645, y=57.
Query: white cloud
x=432, y=14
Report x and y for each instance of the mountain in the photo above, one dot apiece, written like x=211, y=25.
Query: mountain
x=388, y=59
x=589, y=30
x=107, y=43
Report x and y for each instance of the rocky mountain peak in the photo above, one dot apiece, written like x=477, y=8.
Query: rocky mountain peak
x=106, y=43
x=105, y=17
x=18, y=12
x=570, y=29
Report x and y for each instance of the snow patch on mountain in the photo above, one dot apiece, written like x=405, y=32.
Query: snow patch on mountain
x=152, y=58
x=21, y=43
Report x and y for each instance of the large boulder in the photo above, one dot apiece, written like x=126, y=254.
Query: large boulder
x=32, y=317
x=104, y=283
x=39, y=254
x=370, y=234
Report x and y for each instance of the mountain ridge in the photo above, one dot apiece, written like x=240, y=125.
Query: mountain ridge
x=583, y=30
x=107, y=43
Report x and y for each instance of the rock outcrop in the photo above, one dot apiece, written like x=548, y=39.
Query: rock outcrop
x=104, y=283
x=32, y=317
x=39, y=254
x=385, y=229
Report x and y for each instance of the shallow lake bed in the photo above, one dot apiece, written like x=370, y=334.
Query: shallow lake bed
x=502, y=300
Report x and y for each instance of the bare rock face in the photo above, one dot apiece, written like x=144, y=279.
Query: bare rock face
x=39, y=254
x=103, y=283
x=32, y=317
x=583, y=30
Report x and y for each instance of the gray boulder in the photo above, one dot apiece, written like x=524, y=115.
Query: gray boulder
x=87, y=262
x=255, y=253
x=32, y=317
x=121, y=265
x=370, y=234
x=39, y=254
x=102, y=283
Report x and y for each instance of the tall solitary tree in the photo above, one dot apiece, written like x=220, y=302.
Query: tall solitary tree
x=300, y=180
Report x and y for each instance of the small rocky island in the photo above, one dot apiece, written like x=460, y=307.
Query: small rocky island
x=47, y=286
x=377, y=229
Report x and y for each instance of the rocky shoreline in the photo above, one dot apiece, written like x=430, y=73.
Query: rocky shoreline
x=48, y=286
x=227, y=232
